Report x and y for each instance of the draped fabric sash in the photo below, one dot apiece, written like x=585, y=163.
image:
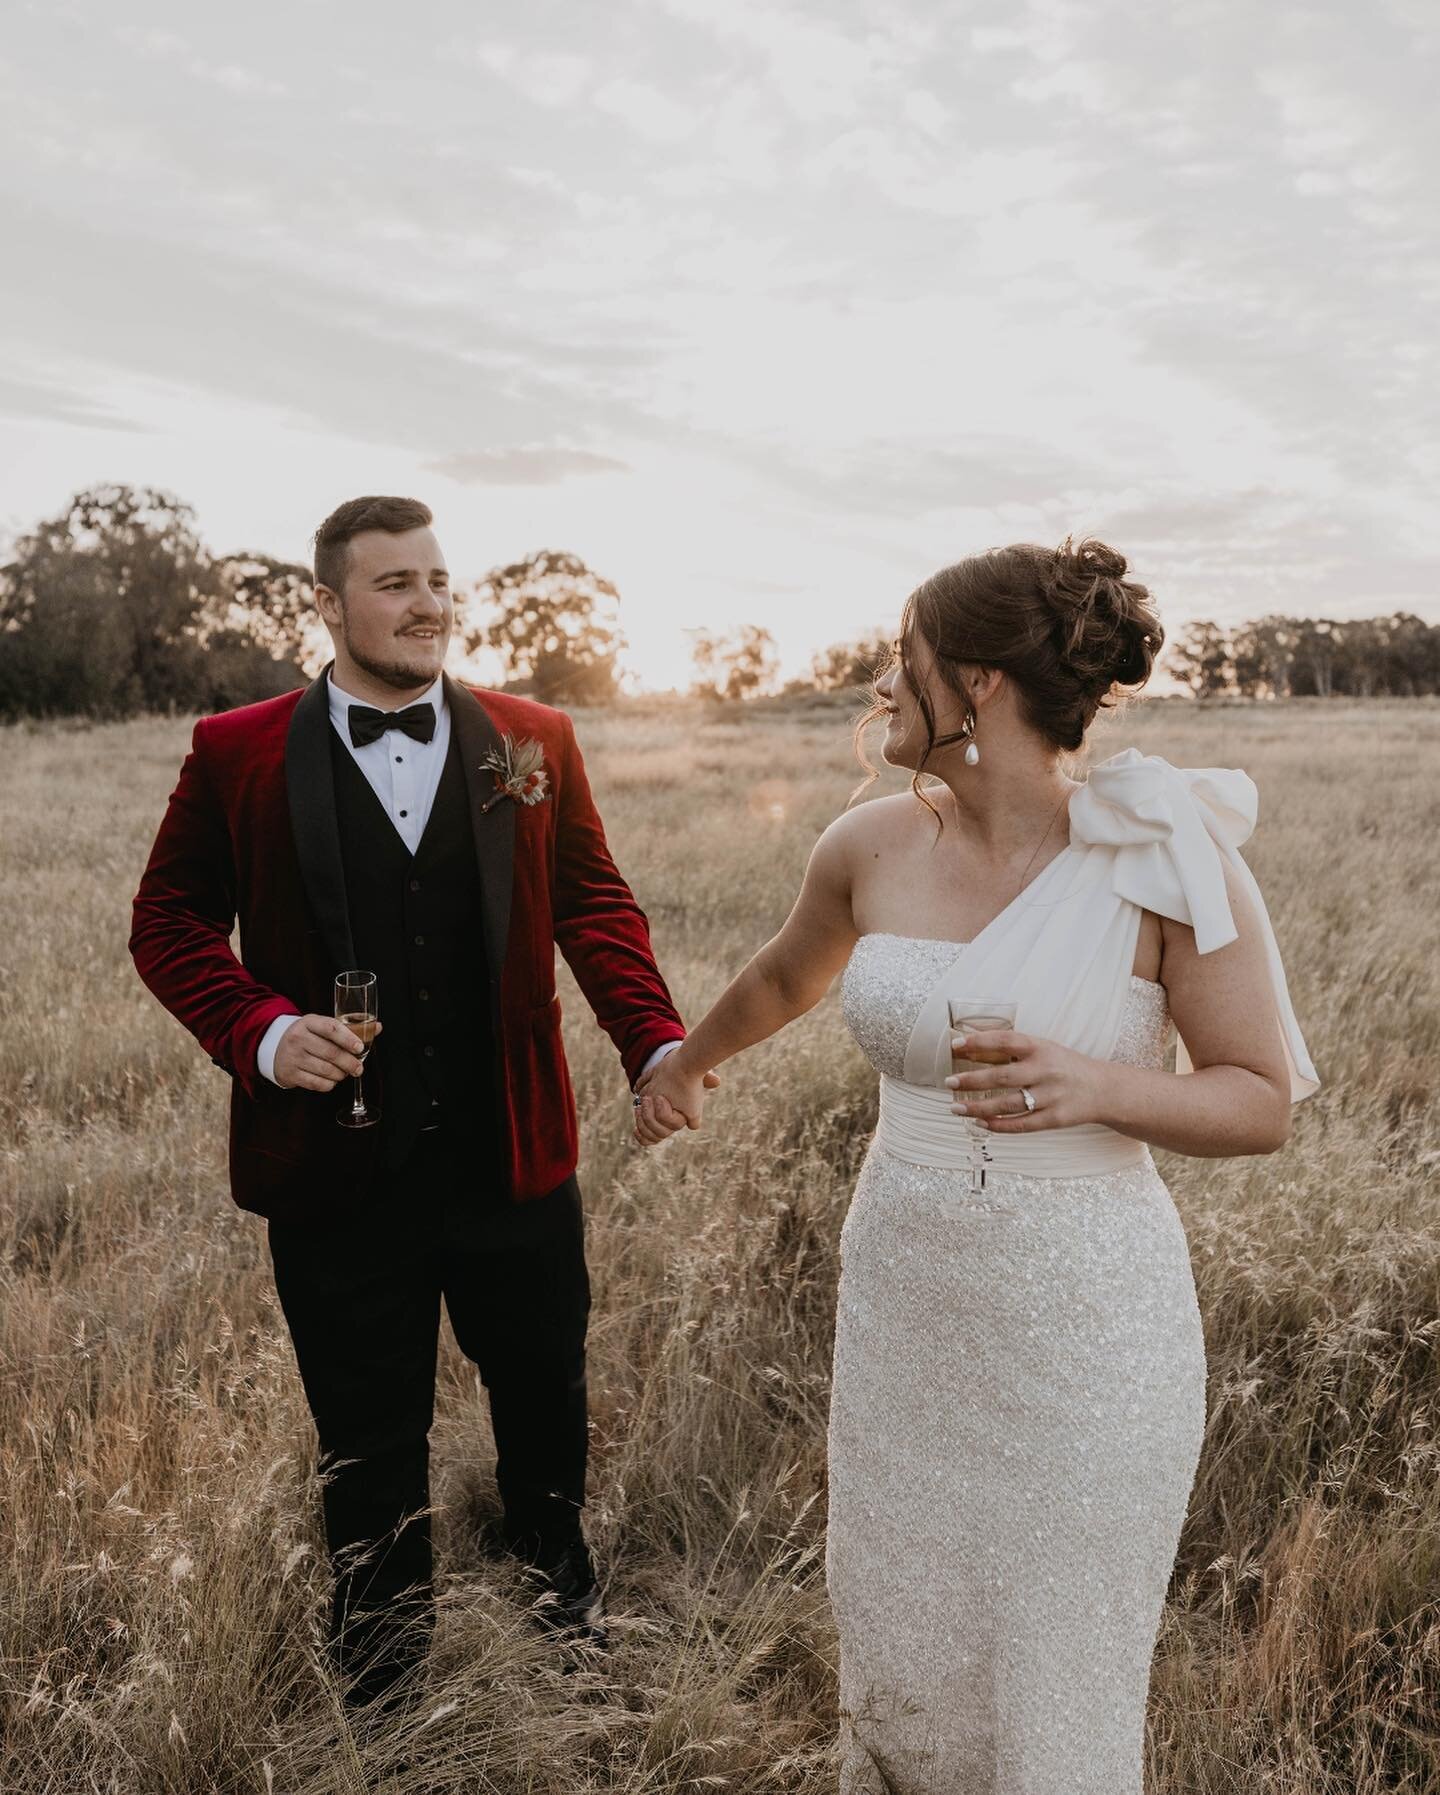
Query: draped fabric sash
x=1144, y=835
x=916, y=1123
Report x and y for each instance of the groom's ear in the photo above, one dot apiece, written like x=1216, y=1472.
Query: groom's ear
x=329, y=604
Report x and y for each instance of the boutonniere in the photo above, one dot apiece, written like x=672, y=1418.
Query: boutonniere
x=519, y=769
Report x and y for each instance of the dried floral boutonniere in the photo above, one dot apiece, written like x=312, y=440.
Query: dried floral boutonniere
x=519, y=769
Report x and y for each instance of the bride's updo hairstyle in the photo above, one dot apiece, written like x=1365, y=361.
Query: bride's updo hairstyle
x=1064, y=625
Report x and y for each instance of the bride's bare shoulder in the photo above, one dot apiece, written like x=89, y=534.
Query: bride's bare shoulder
x=876, y=829
x=877, y=820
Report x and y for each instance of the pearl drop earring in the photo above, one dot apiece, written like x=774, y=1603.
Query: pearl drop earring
x=972, y=755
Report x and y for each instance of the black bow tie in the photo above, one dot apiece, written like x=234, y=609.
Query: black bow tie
x=368, y=725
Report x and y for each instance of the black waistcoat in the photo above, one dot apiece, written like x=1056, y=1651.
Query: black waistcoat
x=416, y=923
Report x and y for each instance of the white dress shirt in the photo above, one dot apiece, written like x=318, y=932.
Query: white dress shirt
x=404, y=775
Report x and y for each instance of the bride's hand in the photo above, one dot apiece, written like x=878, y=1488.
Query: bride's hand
x=1064, y=1084
x=670, y=1099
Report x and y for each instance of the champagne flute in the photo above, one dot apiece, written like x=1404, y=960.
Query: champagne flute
x=967, y=1013
x=357, y=1006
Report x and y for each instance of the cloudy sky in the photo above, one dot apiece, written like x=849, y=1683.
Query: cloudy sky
x=765, y=309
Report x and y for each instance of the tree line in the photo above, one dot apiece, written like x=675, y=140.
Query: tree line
x=115, y=607
x=1309, y=657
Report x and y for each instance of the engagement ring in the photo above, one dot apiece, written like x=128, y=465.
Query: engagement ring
x=1029, y=1097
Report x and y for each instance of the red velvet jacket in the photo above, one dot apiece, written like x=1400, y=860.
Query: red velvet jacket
x=251, y=829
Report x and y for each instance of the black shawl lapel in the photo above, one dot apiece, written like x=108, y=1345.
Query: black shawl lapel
x=493, y=824
x=310, y=788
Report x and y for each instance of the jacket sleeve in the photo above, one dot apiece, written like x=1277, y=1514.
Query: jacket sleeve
x=601, y=930
x=181, y=919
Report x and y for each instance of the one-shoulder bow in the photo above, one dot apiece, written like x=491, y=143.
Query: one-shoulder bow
x=1165, y=824
x=1173, y=830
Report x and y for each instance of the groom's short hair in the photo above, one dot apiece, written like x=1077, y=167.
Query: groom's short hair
x=332, y=539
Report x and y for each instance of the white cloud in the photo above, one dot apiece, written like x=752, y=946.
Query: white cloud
x=647, y=111
x=170, y=46
x=523, y=466
x=817, y=70
x=57, y=402
x=546, y=78
x=923, y=109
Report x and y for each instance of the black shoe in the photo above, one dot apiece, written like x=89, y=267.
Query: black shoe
x=380, y=1661
x=568, y=1607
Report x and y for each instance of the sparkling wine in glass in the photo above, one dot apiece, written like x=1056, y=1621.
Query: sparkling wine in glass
x=967, y=1013
x=357, y=1006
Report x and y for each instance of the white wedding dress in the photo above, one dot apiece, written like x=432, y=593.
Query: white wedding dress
x=1019, y=1373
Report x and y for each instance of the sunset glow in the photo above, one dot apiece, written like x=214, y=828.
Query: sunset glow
x=763, y=312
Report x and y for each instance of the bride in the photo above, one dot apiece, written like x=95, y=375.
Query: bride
x=1019, y=1372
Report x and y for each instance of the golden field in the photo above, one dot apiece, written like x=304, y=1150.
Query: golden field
x=162, y=1585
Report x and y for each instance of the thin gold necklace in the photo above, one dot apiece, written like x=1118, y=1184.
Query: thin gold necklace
x=1064, y=798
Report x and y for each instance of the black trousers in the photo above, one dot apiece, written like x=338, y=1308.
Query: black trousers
x=362, y=1298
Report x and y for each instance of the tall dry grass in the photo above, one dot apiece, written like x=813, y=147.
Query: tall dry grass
x=161, y=1595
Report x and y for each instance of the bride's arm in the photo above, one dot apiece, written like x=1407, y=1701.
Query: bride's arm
x=787, y=977
x=1237, y=1099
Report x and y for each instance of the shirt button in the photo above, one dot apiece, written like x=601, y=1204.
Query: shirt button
x=404, y=813
x=414, y=884
x=399, y=757
x=429, y=1053
x=423, y=995
x=419, y=941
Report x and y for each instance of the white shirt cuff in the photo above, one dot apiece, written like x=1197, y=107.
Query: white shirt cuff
x=658, y=1055
x=269, y=1041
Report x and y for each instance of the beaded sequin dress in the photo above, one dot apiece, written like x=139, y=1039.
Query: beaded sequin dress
x=1017, y=1412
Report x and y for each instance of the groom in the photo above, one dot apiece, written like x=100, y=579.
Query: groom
x=381, y=818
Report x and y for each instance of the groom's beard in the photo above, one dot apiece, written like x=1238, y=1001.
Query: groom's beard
x=397, y=669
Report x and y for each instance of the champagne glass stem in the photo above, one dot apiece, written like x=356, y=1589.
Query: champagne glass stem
x=358, y=1108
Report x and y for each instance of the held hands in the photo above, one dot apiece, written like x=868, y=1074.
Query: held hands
x=1066, y=1085
x=670, y=1099
x=316, y=1052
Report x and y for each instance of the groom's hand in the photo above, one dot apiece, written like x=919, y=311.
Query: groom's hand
x=670, y=1099
x=316, y=1052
